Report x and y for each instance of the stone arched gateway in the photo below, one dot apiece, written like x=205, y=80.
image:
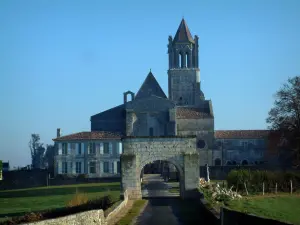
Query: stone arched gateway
x=178, y=150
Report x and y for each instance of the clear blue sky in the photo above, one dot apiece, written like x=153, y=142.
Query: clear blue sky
x=64, y=61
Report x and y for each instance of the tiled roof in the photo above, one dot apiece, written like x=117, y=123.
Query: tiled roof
x=191, y=113
x=93, y=135
x=228, y=134
x=183, y=33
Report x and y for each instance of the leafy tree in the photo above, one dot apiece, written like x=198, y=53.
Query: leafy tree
x=37, y=151
x=49, y=157
x=284, y=118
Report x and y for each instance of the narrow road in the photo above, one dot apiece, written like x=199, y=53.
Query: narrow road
x=154, y=186
x=169, y=210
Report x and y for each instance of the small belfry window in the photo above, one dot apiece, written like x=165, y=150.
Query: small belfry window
x=186, y=60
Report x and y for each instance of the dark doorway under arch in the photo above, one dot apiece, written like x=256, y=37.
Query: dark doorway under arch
x=160, y=179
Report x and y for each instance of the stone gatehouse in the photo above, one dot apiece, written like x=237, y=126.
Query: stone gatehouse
x=177, y=150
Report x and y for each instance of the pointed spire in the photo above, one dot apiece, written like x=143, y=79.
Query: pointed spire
x=183, y=33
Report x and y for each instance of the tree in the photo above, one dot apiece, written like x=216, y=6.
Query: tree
x=49, y=157
x=37, y=151
x=284, y=118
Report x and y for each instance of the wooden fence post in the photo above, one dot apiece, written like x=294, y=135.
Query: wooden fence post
x=263, y=188
x=291, y=186
x=246, y=188
x=276, y=188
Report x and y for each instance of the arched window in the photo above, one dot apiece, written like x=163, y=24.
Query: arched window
x=151, y=131
x=200, y=143
x=218, y=162
x=244, y=162
x=233, y=162
x=228, y=163
x=186, y=60
x=179, y=60
x=182, y=59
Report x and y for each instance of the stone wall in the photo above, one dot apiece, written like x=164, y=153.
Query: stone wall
x=85, y=218
x=179, y=151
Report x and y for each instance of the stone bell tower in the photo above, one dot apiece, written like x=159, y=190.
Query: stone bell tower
x=184, y=72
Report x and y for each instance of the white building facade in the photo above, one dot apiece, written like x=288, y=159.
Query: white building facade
x=95, y=154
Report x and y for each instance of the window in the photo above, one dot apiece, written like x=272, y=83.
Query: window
x=120, y=148
x=78, y=167
x=179, y=60
x=151, y=131
x=244, y=162
x=92, y=167
x=73, y=146
x=91, y=148
x=217, y=162
x=112, y=167
x=64, y=167
x=106, y=167
x=64, y=148
x=118, y=167
x=106, y=148
x=200, y=144
x=79, y=149
x=186, y=60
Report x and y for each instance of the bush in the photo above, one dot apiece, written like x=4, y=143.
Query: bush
x=65, y=176
x=255, y=179
x=78, y=199
x=81, y=177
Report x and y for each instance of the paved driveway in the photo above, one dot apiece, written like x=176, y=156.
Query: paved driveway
x=169, y=210
x=154, y=186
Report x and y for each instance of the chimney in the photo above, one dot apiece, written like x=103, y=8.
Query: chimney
x=58, y=132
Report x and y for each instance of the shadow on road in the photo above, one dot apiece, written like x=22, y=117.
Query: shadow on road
x=171, y=211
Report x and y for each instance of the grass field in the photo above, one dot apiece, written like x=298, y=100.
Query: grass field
x=21, y=201
x=283, y=207
x=133, y=212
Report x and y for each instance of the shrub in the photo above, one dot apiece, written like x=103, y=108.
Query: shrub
x=78, y=199
x=81, y=177
x=254, y=180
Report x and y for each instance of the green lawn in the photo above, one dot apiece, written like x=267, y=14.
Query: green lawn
x=284, y=207
x=132, y=213
x=21, y=201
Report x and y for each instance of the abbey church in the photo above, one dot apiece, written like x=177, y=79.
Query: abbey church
x=150, y=112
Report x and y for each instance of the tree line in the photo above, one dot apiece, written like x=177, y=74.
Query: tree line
x=42, y=157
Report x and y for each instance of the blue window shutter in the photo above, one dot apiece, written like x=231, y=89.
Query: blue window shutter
x=59, y=148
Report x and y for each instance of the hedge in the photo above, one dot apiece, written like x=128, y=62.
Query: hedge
x=254, y=180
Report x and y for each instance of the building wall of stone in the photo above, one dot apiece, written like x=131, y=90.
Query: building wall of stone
x=149, y=113
x=204, y=130
x=182, y=85
x=113, y=159
x=235, y=151
x=139, y=152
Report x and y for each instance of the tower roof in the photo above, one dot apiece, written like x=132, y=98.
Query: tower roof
x=150, y=87
x=183, y=33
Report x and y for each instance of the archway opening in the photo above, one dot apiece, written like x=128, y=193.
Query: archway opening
x=217, y=162
x=160, y=179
